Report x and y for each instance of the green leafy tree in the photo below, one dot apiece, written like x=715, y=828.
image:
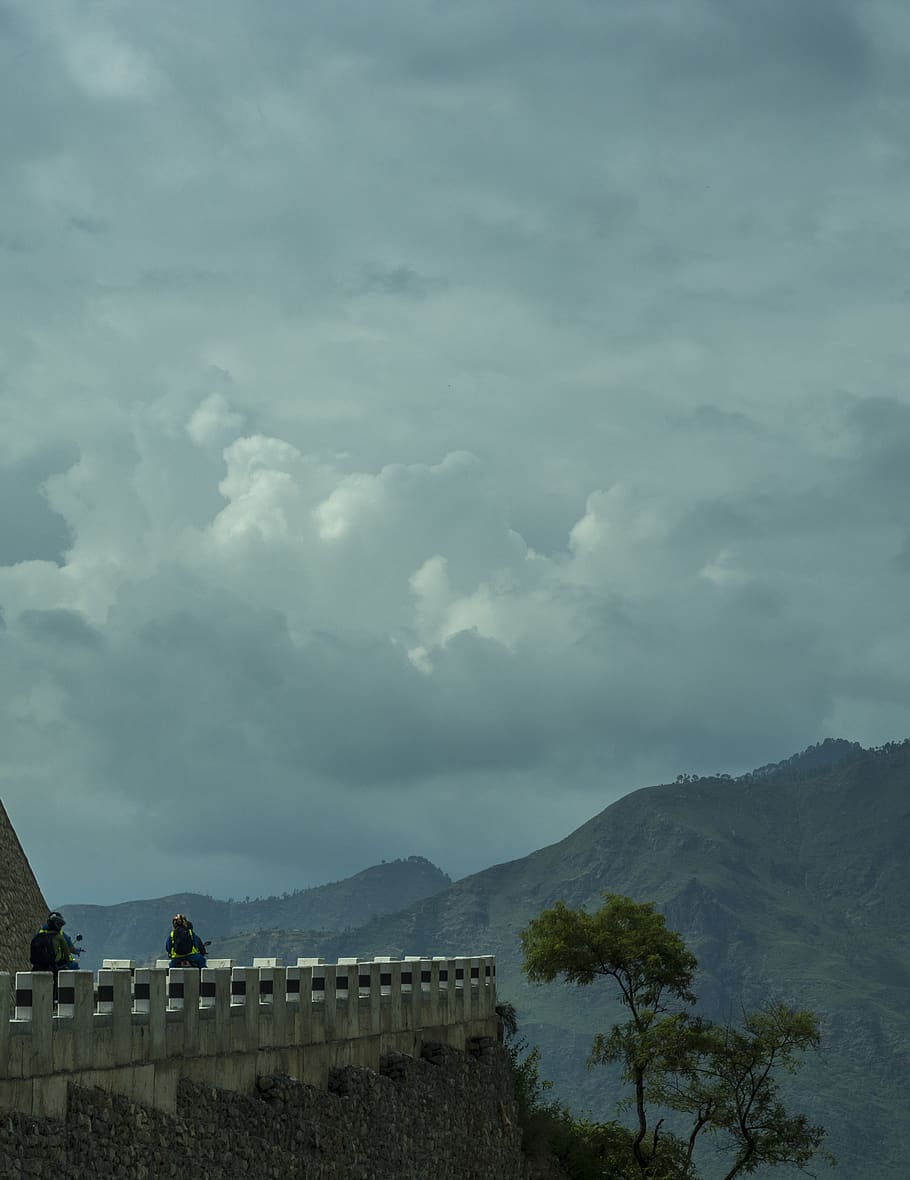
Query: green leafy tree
x=719, y=1080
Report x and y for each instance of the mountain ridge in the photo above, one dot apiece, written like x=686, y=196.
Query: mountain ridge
x=136, y=929
x=787, y=883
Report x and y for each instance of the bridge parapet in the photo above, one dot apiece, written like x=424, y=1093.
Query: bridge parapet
x=138, y=1030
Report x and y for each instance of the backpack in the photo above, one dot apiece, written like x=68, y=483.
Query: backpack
x=43, y=951
x=183, y=942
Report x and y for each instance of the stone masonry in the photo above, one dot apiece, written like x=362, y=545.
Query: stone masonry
x=22, y=908
x=447, y=1114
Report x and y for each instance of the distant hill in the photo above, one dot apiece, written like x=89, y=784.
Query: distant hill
x=137, y=929
x=789, y=883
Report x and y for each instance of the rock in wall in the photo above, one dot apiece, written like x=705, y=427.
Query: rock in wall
x=448, y=1114
x=22, y=908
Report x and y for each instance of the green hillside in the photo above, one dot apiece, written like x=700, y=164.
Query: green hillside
x=790, y=883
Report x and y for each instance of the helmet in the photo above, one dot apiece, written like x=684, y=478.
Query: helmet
x=55, y=921
x=181, y=920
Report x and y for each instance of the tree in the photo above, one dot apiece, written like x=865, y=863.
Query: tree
x=719, y=1080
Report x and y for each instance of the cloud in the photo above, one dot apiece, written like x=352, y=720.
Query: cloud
x=29, y=528
x=401, y=281
x=61, y=627
x=408, y=425
x=213, y=420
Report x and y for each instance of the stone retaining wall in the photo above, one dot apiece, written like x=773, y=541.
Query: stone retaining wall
x=447, y=1114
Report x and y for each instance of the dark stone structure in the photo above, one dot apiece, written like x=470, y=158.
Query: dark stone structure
x=447, y=1114
x=22, y=908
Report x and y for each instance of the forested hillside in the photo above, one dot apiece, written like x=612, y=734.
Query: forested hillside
x=788, y=884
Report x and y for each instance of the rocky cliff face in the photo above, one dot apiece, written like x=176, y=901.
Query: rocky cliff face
x=22, y=907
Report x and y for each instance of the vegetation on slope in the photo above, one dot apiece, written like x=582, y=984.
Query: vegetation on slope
x=789, y=886
x=719, y=1081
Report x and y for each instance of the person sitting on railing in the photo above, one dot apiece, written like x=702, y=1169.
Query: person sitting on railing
x=184, y=944
x=49, y=950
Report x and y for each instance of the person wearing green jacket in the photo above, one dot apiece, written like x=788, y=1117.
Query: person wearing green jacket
x=49, y=949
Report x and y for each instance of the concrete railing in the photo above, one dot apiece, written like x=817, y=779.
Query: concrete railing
x=137, y=1031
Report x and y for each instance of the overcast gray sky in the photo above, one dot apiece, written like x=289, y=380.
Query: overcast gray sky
x=422, y=423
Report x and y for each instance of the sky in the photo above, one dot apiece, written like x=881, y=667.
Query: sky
x=423, y=423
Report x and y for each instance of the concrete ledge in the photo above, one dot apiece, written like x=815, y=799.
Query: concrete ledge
x=136, y=1033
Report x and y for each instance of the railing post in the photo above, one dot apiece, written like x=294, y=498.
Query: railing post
x=272, y=1001
x=390, y=990
x=77, y=1001
x=269, y=961
x=141, y=991
x=122, y=1017
x=245, y=993
x=277, y=1002
x=385, y=983
x=362, y=1015
x=5, y=985
x=346, y=994
x=446, y=987
x=157, y=1009
x=176, y=978
x=312, y=984
x=207, y=987
x=292, y=994
x=375, y=977
x=222, y=1009
x=410, y=991
x=488, y=984
x=425, y=976
x=306, y=1023
x=477, y=989
x=66, y=994
x=330, y=1004
x=105, y=1001
x=35, y=1003
x=456, y=990
x=347, y=968
x=191, y=985
x=432, y=1012
x=348, y=1020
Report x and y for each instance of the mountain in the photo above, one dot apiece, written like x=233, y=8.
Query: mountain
x=789, y=884
x=137, y=929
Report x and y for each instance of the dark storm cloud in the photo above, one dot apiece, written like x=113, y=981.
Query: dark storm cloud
x=449, y=414
x=400, y=280
x=781, y=53
x=29, y=529
x=716, y=418
x=880, y=431
x=60, y=627
x=90, y=225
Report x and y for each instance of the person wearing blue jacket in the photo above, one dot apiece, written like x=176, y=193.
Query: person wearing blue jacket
x=183, y=943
